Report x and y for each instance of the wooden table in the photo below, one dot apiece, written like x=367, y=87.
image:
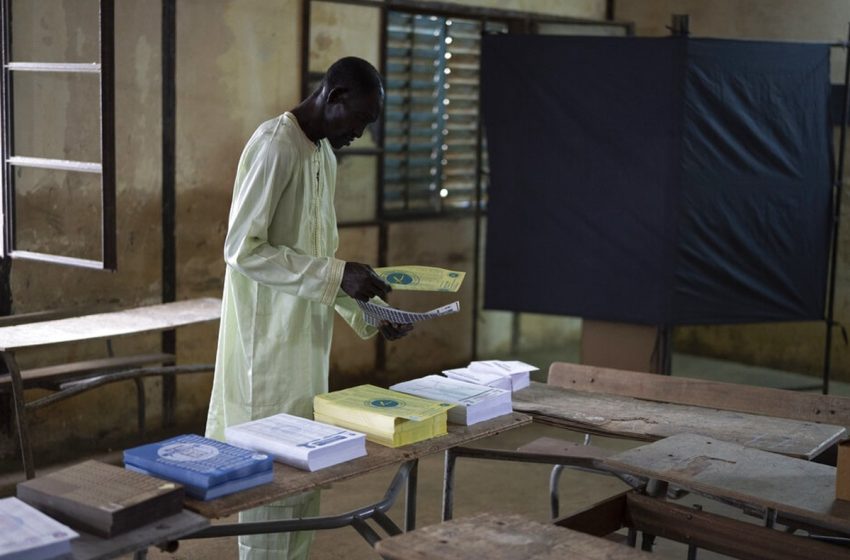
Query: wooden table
x=797, y=490
x=154, y=318
x=502, y=537
x=618, y=416
x=290, y=481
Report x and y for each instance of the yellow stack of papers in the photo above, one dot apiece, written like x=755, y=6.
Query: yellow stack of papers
x=386, y=417
x=421, y=278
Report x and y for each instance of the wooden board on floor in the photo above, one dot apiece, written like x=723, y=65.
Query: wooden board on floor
x=501, y=537
x=741, y=475
x=626, y=417
x=289, y=481
x=782, y=403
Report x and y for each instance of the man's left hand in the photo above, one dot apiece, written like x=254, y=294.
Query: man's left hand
x=394, y=331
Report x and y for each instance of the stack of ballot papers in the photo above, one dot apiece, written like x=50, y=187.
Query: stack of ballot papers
x=495, y=380
x=475, y=403
x=206, y=468
x=102, y=499
x=517, y=371
x=302, y=443
x=386, y=417
x=28, y=534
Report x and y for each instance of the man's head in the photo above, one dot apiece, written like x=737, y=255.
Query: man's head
x=353, y=95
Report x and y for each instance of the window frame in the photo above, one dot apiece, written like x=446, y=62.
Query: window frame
x=106, y=168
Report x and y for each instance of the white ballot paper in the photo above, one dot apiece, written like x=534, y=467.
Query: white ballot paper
x=302, y=443
x=516, y=370
x=475, y=403
x=27, y=533
x=375, y=313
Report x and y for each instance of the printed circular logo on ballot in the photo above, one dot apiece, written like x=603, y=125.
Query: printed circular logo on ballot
x=181, y=452
x=384, y=403
x=401, y=278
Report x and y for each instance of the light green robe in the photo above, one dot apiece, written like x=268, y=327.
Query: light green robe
x=281, y=286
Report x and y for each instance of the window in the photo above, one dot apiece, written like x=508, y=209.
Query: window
x=29, y=169
x=431, y=145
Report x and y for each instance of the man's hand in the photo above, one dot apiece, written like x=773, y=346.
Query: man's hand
x=361, y=282
x=394, y=331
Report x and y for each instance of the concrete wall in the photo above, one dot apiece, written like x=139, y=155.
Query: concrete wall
x=238, y=63
x=798, y=346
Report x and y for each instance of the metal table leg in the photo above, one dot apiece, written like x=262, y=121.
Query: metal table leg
x=20, y=413
x=410, y=499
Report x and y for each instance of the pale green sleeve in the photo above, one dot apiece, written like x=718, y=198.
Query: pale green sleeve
x=265, y=171
x=352, y=314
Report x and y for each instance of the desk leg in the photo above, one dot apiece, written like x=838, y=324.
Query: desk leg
x=410, y=498
x=448, y=484
x=20, y=413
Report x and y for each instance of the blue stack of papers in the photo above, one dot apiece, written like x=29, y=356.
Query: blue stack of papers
x=207, y=468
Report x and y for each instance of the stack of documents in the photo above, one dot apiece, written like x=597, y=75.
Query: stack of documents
x=374, y=313
x=517, y=371
x=299, y=442
x=475, y=403
x=386, y=417
x=26, y=533
x=102, y=499
x=495, y=380
x=206, y=468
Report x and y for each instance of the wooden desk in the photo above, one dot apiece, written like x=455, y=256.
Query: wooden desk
x=154, y=318
x=798, y=490
x=90, y=547
x=502, y=537
x=289, y=481
x=618, y=416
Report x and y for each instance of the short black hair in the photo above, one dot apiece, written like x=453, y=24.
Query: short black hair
x=355, y=74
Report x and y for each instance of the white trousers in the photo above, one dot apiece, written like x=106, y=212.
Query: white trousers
x=280, y=546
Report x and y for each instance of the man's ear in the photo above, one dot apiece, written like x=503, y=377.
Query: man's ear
x=337, y=95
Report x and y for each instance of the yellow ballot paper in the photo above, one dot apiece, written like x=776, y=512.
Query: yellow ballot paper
x=386, y=417
x=421, y=278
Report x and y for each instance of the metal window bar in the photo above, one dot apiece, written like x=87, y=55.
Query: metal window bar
x=105, y=168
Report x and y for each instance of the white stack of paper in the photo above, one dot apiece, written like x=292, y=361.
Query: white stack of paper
x=302, y=443
x=496, y=380
x=28, y=534
x=475, y=403
x=516, y=370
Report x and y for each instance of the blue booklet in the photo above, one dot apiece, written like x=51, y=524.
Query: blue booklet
x=222, y=489
x=197, y=461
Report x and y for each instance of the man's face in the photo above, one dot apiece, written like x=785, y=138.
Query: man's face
x=348, y=113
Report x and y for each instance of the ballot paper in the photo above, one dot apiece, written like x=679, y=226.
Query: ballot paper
x=476, y=403
x=302, y=443
x=26, y=533
x=496, y=380
x=516, y=370
x=375, y=313
x=421, y=278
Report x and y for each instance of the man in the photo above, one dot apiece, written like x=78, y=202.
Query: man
x=283, y=282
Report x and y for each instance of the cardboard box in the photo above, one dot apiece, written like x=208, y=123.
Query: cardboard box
x=842, y=473
x=619, y=346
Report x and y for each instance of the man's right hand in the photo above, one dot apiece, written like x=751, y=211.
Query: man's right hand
x=361, y=282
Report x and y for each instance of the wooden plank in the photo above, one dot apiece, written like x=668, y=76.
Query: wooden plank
x=780, y=403
x=289, y=481
x=501, y=537
x=731, y=537
x=599, y=519
x=741, y=476
x=152, y=318
x=561, y=447
x=90, y=547
x=647, y=420
x=40, y=377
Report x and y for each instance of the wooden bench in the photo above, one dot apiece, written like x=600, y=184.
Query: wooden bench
x=66, y=380
x=501, y=537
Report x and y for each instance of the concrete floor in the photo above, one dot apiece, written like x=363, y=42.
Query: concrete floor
x=500, y=486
